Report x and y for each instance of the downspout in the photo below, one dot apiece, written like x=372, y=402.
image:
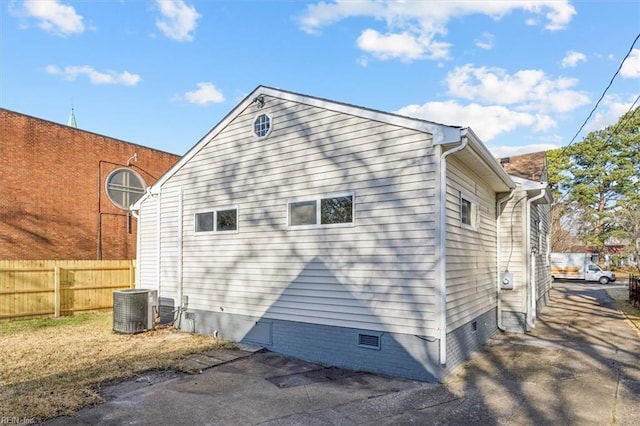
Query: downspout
x=499, y=256
x=159, y=247
x=136, y=215
x=531, y=305
x=179, y=257
x=443, y=244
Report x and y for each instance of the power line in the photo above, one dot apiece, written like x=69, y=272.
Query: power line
x=611, y=134
x=603, y=94
x=564, y=150
x=618, y=124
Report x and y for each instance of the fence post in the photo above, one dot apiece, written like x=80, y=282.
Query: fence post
x=56, y=291
x=132, y=274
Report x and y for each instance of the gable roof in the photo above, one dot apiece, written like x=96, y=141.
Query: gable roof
x=443, y=135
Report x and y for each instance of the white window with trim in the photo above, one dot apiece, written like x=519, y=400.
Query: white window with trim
x=262, y=125
x=326, y=210
x=468, y=212
x=221, y=220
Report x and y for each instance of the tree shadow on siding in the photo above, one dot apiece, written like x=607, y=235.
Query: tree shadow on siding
x=319, y=318
x=394, y=227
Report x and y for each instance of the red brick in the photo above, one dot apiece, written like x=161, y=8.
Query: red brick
x=52, y=190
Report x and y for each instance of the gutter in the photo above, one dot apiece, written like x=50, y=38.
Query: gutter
x=443, y=244
x=499, y=256
x=531, y=306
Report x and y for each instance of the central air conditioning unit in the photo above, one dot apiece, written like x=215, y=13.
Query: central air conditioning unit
x=134, y=310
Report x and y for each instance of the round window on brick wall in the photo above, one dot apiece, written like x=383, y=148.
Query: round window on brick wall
x=262, y=126
x=124, y=187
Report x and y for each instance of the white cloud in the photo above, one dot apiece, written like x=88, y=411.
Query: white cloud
x=54, y=16
x=363, y=61
x=417, y=24
x=95, y=77
x=631, y=66
x=485, y=42
x=558, y=13
x=609, y=112
x=403, y=46
x=205, y=94
x=178, y=21
x=486, y=121
x=503, y=151
x=572, y=58
x=527, y=89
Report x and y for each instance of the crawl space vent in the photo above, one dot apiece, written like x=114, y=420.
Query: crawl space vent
x=369, y=341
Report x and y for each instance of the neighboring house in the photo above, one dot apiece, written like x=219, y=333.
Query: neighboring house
x=525, y=224
x=333, y=233
x=532, y=166
x=54, y=203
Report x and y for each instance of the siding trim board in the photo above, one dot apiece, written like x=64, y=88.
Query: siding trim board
x=401, y=275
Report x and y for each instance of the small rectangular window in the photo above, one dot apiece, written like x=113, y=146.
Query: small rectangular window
x=336, y=210
x=204, y=222
x=226, y=220
x=468, y=213
x=328, y=210
x=302, y=213
x=223, y=220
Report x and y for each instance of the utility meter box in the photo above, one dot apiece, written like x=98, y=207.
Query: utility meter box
x=506, y=280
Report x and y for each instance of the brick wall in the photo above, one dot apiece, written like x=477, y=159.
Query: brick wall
x=468, y=338
x=514, y=322
x=400, y=355
x=53, y=203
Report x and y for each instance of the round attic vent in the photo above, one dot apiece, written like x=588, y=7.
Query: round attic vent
x=124, y=187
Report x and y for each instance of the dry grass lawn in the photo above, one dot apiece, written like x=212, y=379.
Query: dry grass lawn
x=53, y=367
x=621, y=296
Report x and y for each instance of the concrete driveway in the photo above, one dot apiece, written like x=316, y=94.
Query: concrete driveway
x=580, y=366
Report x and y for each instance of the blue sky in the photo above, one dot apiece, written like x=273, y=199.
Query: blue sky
x=524, y=75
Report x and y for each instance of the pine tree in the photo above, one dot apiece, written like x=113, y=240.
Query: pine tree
x=597, y=178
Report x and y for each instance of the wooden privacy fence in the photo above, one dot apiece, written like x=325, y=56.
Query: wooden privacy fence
x=634, y=290
x=49, y=287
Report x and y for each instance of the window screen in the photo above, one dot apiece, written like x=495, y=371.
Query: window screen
x=302, y=213
x=204, y=222
x=465, y=211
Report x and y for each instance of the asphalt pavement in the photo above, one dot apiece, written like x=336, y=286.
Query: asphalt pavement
x=579, y=366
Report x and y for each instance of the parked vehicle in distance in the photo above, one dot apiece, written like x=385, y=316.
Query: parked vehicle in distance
x=579, y=266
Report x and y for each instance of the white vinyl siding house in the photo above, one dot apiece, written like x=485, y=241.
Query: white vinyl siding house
x=540, y=244
x=513, y=251
x=525, y=254
x=349, y=283
x=471, y=272
x=338, y=248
